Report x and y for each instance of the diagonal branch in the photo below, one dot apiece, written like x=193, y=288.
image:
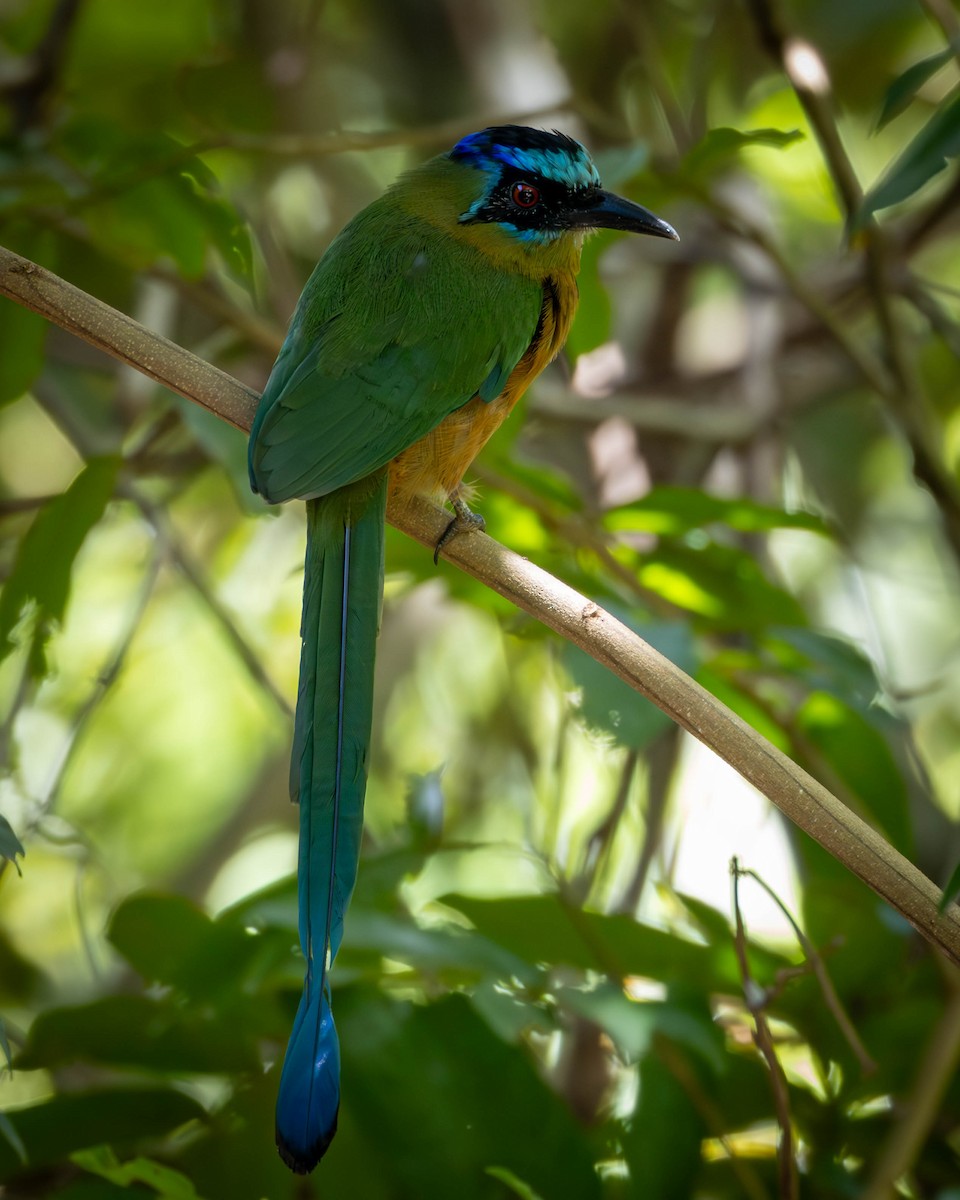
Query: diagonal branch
x=798, y=795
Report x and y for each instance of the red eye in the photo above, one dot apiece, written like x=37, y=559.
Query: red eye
x=525, y=195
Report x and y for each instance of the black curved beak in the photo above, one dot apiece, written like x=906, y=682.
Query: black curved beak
x=608, y=211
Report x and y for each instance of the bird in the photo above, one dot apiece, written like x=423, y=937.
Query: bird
x=422, y=325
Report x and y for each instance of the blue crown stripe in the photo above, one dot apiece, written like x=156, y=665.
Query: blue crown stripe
x=548, y=159
x=551, y=155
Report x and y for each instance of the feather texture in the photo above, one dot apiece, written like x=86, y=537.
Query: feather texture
x=341, y=604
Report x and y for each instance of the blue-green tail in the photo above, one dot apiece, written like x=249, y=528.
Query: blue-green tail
x=343, y=583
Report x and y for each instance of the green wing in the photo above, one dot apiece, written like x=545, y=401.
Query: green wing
x=399, y=325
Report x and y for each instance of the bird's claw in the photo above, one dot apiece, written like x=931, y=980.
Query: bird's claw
x=465, y=521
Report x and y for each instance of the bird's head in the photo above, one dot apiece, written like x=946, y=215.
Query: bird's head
x=540, y=188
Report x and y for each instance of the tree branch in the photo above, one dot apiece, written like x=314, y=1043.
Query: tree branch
x=798, y=795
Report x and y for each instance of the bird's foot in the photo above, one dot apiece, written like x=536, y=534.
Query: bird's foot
x=465, y=521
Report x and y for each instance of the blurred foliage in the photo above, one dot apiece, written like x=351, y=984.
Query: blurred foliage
x=749, y=454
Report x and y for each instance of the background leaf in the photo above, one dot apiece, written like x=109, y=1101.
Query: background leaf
x=10, y=845
x=56, y=1128
x=904, y=88
x=41, y=570
x=924, y=157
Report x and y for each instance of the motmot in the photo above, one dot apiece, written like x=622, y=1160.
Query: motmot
x=419, y=330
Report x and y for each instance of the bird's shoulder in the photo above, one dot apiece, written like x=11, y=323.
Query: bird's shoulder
x=398, y=326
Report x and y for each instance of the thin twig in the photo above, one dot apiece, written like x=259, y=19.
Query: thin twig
x=82, y=924
x=205, y=295
x=873, y=371
x=298, y=145
x=756, y=999
x=156, y=516
x=817, y=965
x=104, y=681
x=159, y=521
x=661, y=762
x=25, y=685
x=26, y=95
x=106, y=678
x=800, y=797
x=272, y=144
x=652, y=57
x=12, y=506
x=598, y=843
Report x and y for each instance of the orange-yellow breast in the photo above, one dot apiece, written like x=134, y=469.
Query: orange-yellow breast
x=435, y=465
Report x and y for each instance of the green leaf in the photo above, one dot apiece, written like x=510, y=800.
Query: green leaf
x=272, y=907
x=140, y=1032
x=744, y=705
x=23, y=335
x=619, y=164
x=10, y=844
x=168, y=939
x=40, y=577
x=827, y=663
x=721, y=583
x=446, y=1097
x=662, y=1142
x=903, y=89
x=673, y=511
x=720, y=148
x=547, y=929
x=225, y=445
x=102, y=1161
x=633, y=1025
x=861, y=757
x=517, y=1186
x=951, y=891
x=149, y=199
x=55, y=1128
x=451, y=954
x=925, y=157
x=608, y=704
x=9, y=1134
x=21, y=981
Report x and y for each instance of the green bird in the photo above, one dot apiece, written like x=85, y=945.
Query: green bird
x=418, y=331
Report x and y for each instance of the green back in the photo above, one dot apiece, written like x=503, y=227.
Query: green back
x=381, y=348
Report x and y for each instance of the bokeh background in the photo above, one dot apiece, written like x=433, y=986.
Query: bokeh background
x=748, y=453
